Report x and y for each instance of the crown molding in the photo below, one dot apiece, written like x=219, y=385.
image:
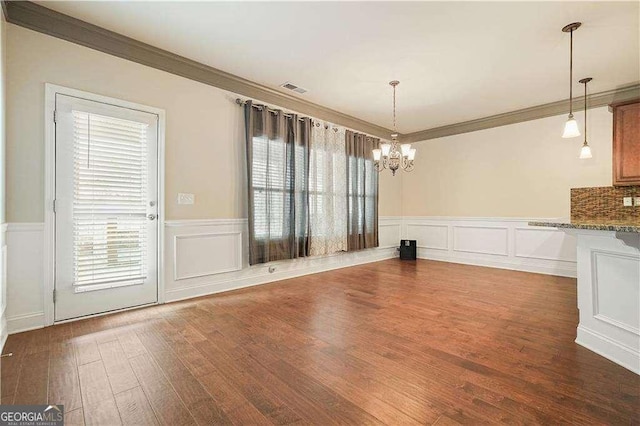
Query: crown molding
x=41, y=19
x=50, y=22
x=595, y=100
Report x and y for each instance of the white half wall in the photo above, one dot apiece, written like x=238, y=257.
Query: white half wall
x=210, y=256
x=609, y=295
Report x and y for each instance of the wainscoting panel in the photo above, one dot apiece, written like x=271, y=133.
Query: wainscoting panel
x=199, y=255
x=546, y=244
x=507, y=243
x=389, y=232
x=3, y=285
x=481, y=239
x=429, y=236
x=616, y=289
x=25, y=276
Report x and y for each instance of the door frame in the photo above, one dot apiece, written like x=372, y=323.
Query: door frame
x=50, y=188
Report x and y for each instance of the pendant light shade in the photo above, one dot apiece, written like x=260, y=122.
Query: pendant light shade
x=585, y=152
x=571, y=126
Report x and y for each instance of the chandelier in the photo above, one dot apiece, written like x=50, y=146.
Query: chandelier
x=393, y=156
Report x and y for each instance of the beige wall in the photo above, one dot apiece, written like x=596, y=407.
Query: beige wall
x=204, y=127
x=520, y=170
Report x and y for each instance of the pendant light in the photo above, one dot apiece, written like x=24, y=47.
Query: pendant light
x=394, y=156
x=571, y=126
x=585, y=152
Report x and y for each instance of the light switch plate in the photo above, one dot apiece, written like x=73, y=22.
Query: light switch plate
x=636, y=201
x=184, y=198
x=627, y=201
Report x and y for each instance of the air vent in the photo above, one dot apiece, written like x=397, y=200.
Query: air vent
x=293, y=87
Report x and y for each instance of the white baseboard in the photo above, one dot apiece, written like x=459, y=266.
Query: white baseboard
x=610, y=349
x=25, y=322
x=310, y=266
x=568, y=271
x=4, y=333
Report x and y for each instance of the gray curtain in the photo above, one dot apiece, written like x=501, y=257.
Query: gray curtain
x=278, y=173
x=362, y=192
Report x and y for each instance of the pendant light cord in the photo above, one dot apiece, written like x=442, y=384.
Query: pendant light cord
x=571, y=74
x=585, y=112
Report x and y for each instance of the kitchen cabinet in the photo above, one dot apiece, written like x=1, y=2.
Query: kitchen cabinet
x=626, y=143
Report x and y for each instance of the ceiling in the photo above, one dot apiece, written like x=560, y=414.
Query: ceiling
x=456, y=61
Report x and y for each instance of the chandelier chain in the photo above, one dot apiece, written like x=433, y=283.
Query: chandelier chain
x=394, y=108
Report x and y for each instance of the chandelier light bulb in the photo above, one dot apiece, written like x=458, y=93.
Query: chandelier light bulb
x=386, y=148
x=411, y=154
x=405, y=148
x=377, y=154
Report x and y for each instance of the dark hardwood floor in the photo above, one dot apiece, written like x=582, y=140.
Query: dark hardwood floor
x=389, y=342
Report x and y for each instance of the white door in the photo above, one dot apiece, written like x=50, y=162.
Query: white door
x=106, y=227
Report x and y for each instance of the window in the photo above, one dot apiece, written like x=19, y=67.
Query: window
x=109, y=201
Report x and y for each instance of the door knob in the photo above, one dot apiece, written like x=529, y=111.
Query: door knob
x=151, y=216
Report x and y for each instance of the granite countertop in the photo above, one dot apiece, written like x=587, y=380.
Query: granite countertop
x=603, y=225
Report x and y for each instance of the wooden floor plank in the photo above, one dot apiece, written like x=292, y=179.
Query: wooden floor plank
x=33, y=380
x=167, y=405
x=74, y=418
x=387, y=342
x=119, y=371
x=87, y=351
x=64, y=384
x=134, y=408
x=94, y=384
x=104, y=413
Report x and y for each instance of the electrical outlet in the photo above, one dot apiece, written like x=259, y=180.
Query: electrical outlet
x=636, y=201
x=186, y=198
x=627, y=201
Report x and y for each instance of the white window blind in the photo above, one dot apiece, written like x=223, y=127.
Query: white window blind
x=109, y=201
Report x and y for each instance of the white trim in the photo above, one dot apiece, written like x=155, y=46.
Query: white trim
x=50, y=190
x=478, y=219
x=205, y=222
x=608, y=348
x=558, y=270
x=25, y=227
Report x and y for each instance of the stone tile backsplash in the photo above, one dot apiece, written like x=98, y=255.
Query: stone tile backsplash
x=604, y=203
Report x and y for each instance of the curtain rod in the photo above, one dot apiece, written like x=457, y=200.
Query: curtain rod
x=315, y=121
